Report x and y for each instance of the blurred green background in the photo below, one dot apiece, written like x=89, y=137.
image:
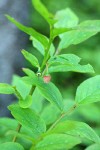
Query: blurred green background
x=89, y=51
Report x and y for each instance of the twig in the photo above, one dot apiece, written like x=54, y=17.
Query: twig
x=32, y=90
x=18, y=130
x=62, y=116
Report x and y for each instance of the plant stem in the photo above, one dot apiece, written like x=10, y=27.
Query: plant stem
x=20, y=97
x=46, y=57
x=32, y=90
x=18, y=94
x=18, y=130
x=62, y=116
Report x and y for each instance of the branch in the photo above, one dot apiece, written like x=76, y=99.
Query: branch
x=62, y=116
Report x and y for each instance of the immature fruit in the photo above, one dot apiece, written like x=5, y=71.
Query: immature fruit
x=47, y=78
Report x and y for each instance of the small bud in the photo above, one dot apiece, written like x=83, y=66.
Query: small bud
x=47, y=78
x=38, y=74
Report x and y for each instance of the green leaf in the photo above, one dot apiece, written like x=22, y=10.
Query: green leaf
x=47, y=90
x=31, y=58
x=8, y=128
x=51, y=93
x=29, y=72
x=91, y=115
x=37, y=104
x=57, y=141
x=68, y=62
x=27, y=102
x=81, y=33
x=51, y=50
x=43, y=11
x=68, y=104
x=30, y=31
x=29, y=80
x=6, y=89
x=39, y=46
x=28, y=118
x=32, y=79
x=64, y=59
x=8, y=125
x=11, y=146
x=20, y=85
x=93, y=147
x=66, y=19
x=25, y=139
x=58, y=31
x=75, y=128
x=88, y=91
x=50, y=113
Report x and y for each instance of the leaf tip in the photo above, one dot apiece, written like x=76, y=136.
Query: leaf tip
x=9, y=107
x=9, y=17
x=22, y=51
x=6, y=15
x=24, y=69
